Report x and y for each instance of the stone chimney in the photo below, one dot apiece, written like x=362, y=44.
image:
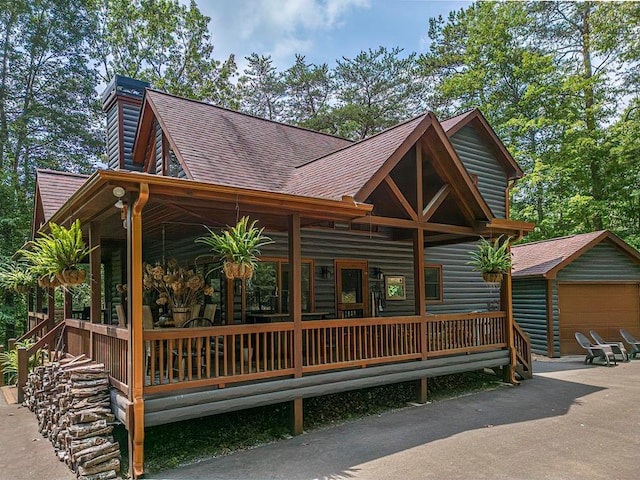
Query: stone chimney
x=121, y=101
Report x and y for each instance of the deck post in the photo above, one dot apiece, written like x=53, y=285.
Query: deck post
x=23, y=372
x=68, y=305
x=136, y=347
x=420, y=304
x=507, y=306
x=95, y=273
x=51, y=308
x=38, y=305
x=295, y=310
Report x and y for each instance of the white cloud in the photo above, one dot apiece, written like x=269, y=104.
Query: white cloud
x=278, y=28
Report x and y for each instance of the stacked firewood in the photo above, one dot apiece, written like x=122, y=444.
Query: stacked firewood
x=72, y=404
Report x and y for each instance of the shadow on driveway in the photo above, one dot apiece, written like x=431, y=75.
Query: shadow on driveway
x=337, y=453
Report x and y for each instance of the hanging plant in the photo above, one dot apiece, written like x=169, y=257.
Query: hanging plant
x=492, y=260
x=238, y=247
x=16, y=276
x=55, y=257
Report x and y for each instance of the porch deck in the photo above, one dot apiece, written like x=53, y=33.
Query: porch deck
x=201, y=371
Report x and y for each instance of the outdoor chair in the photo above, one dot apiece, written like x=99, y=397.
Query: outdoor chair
x=595, y=351
x=616, y=347
x=633, y=343
x=122, y=317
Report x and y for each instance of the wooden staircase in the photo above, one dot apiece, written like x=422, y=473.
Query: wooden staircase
x=522, y=343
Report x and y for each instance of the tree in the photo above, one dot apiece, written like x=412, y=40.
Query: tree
x=308, y=89
x=262, y=88
x=47, y=101
x=164, y=43
x=374, y=91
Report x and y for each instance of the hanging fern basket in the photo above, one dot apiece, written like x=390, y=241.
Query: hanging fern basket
x=22, y=288
x=71, y=276
x=48, y=282
x=238, y=270
x=491, y=277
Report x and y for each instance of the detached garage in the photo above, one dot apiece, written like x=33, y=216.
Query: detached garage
x=575, y=283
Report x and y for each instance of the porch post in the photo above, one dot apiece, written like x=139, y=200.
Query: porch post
x=420, y=303
x=136, y=347
x=68, y=305
x=51, y=308
x=295, y=311
x=38, y=306
x=95, y=274
x=507, y=306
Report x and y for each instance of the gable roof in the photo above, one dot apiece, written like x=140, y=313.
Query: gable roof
x=546, y=257
x=475, y=118
x=53, y=189
x=346, y=171
x=230, y=148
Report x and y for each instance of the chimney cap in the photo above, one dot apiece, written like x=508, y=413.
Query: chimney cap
x=121, y=85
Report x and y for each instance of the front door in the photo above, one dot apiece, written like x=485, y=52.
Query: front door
x=352, y=297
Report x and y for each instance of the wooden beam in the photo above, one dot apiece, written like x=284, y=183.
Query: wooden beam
x=295, y=311
x=51, y=308
x=419, y=178
x=400, y=197
x=550, y=319
x=435, y=202
x=95, y=277
x=441, y=227
x=136, y=339
x=68, y=304
x=386, y=221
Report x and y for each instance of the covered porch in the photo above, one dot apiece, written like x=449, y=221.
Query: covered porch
x=312, y=341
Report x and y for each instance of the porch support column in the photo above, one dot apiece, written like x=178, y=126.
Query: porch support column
x=507, y=306
x=68, y=304
x=51, y=308
x=420, y=303
x=295, y=311
x=38, y=306
x=136, y=346
x=95, y=274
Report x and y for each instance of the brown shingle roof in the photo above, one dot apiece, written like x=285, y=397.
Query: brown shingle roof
x=346, y=171
x=452, y=122
x=230, y=148
x=55, y=188
x=538, y=258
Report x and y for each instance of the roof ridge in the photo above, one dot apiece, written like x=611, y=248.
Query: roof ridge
x=231, y=110
x=573, y=235
x=58, y=172
x=358, y=142
x=465, y=112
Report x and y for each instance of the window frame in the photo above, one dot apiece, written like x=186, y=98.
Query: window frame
x=432, y=301
x=279, y=261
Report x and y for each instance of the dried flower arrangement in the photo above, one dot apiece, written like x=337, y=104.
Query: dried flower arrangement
x=177, y=286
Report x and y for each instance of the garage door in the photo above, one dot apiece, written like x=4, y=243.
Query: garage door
x=605, y=308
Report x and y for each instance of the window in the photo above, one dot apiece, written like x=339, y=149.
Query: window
x=268, y=290
x=433, y=283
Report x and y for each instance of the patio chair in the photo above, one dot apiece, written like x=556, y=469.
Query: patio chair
x=616, y=347
x=122, y=317
x=595, y=351
x=633, y=343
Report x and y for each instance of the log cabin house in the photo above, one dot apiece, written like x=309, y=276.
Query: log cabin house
x=349, y=219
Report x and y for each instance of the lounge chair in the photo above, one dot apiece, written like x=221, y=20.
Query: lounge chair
x=616, y=347
x=595, y=351
x=633, y=343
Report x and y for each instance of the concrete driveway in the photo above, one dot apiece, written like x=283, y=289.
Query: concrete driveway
x=570, y=422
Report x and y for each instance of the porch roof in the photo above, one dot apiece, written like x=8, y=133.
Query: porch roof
x=53, y=189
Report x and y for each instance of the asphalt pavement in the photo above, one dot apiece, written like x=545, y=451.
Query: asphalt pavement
x=570, y=421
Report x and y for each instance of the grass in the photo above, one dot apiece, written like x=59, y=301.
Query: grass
x=168, y=446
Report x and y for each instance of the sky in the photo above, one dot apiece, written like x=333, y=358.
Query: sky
x=321, y=30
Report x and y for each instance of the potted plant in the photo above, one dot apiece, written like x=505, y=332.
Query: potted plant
x=492, y=260
x=55, y=257
x=177, y=287
x=238, y=247
x=16, y=276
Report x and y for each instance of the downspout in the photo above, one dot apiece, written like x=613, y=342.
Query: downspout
x=136, y=340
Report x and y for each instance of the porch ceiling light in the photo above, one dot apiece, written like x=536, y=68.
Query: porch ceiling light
x=119, y=192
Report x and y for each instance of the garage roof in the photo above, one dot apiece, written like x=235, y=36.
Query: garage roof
x=546, y=257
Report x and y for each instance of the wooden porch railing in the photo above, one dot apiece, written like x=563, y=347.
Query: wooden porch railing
x=522, y=344
x=453, y=333
x=38, y=323
x=104, y=344
x=185, y=358
x=41, y=351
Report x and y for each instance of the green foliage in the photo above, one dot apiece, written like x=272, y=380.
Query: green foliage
x=238, y=244
x=62, y=249
x=261, y=88
x=16, y=276
x=9, y=360
x=491, y=257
